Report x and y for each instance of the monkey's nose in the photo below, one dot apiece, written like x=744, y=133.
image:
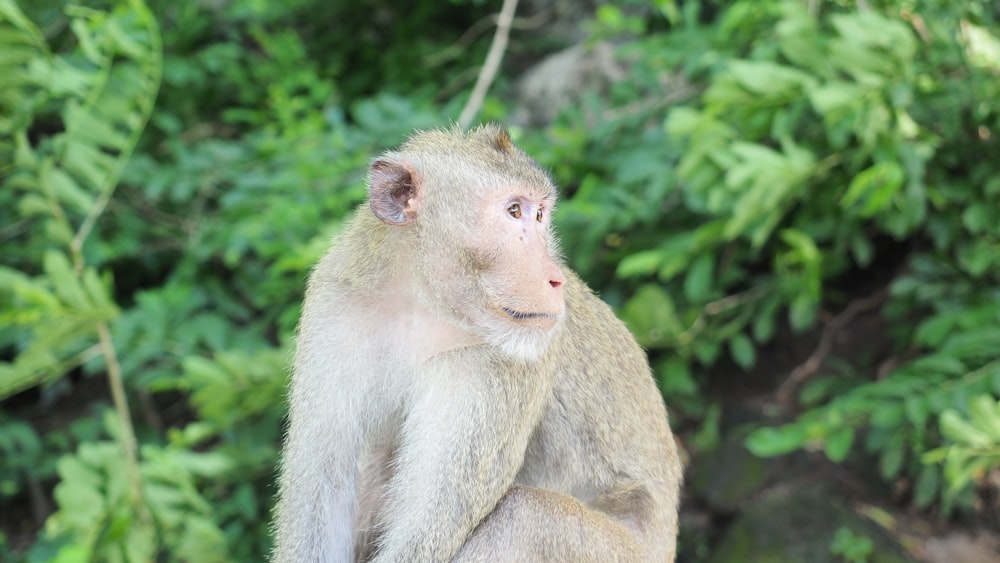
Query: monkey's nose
x=556, y=277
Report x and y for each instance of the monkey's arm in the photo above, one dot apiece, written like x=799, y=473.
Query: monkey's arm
x=462, y=443
x=314, y=516
x=315, y=509
x=533, y=524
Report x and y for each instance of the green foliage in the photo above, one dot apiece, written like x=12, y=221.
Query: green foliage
x=813, y=150
x=851, y=547
x=899, y=411
x=105, y=90
x=194, y=268
x=758, y=166
x=839, y=130
x=973, y=443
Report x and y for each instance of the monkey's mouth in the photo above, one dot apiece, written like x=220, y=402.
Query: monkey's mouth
x=523, y=316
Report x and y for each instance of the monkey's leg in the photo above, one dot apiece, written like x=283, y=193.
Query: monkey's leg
x=532, y=524
x=462, y=443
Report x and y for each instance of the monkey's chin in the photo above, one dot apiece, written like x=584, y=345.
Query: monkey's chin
x=523, y=341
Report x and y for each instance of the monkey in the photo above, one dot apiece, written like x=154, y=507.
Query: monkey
x=457, y=392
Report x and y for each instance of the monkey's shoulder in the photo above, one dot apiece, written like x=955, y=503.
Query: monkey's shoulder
x=593, y=322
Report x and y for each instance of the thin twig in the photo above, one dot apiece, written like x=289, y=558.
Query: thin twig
x=919, y=26
x=454, y=50
x=735, y=300
x=127, y=437
x=651, y=104
x=815, y=360
x=489, y=70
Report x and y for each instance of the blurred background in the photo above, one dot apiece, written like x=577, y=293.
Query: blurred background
x=793, y=204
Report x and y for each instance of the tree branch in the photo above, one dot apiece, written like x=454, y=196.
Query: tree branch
x=489, y=70
x=815, y=360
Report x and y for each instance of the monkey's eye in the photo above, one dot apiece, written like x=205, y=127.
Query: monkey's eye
x=515, y=210
x=538, y=215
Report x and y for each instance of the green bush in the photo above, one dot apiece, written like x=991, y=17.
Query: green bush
x=170, y=172
x=814, y=149
x=186, y=280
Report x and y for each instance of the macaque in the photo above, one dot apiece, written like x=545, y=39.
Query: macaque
x=458, y=393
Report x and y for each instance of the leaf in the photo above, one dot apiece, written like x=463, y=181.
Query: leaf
x=672, y=264
x=706, y=350
x=12, y=13
x=862, y=249
x=978, y=256
x=927, y=486
x=890, y=414
x=871, y=29
x=203, y=370
x=816, y=390
x=982, y=47
x=802, y=313
x=917, y=410
x=958, y=430
x=984, y=412
x=73, y=553
x=768, y=78
x=639, y=264
x=872, y=189
x=742, y=351
x=87, y=126
x=87, y=43
x=675, y=378
x=67, y=286
x=836, y=96
x=651, y=315
x=60, y=184
x=698, y=283
x=800, y=39
x=58, y=232
x=891, y=459
x=707, y=437
x=932, y=331
x=96, y=291
x=683, y=121
x=762, y=326
x=33, y=205
x=940, y=363
x=79, y=489
x=87, y=164
x=203, y=541
x=611, y=16
x=979, y=218
x=838, y=444
x=937, y=455
x=974, y=342
x=770, y=442
x=210, y=465
x=125, y=44
x=956, y=470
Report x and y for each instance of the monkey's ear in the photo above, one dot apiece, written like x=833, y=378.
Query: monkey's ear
x=393, y=192
x=501, y=140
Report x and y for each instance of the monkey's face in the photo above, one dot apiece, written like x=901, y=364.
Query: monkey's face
x=513, y=260
x=475, y=213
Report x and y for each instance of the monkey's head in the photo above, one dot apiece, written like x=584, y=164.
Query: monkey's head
x=473, y=213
